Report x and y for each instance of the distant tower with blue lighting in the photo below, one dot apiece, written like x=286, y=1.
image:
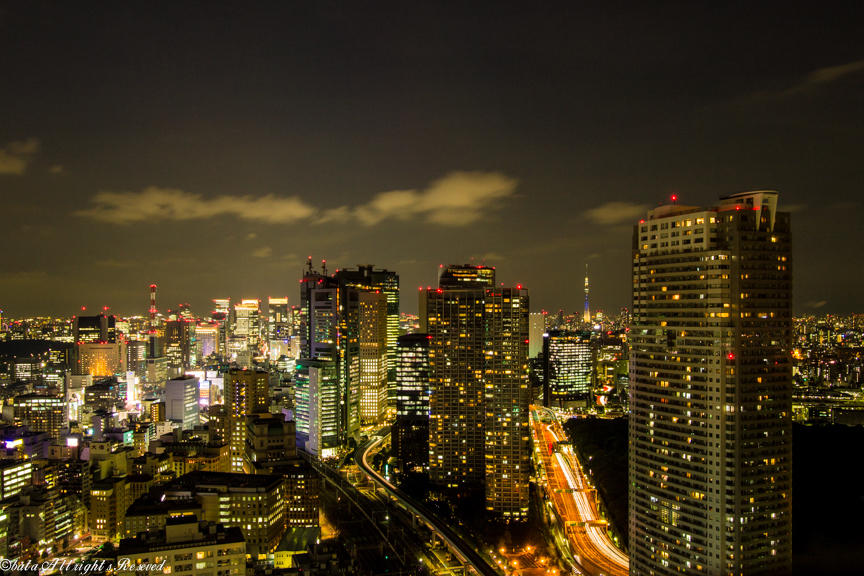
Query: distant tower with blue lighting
x=587, y=315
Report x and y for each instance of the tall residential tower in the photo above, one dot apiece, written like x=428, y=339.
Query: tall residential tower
x=710, y=389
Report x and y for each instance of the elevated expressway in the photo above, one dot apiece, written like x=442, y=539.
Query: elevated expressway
x=460, y=549
x=574, y=499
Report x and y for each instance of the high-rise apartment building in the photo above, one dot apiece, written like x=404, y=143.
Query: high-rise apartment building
x=508, y=440
x=566, y=367
x=478, y=357
x=246, y=394
x=453, y=315
x=373, y=357
x=410, y=431
x=710, y=389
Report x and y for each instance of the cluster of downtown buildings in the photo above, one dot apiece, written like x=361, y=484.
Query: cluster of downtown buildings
x=129, y=414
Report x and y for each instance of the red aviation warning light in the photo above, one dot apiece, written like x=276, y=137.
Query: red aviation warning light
x=730, y=356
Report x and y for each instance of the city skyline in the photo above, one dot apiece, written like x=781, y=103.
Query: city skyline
x=154, y=148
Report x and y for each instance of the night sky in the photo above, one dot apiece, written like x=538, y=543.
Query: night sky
x=210, y=148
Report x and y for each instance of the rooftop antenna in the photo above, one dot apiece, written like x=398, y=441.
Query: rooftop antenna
x=309, y=264
x=323, y=267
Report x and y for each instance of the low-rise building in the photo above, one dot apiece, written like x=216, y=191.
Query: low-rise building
x=185, y=547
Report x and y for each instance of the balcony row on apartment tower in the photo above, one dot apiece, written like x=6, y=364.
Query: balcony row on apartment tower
x=710, y=466
x=478, y=368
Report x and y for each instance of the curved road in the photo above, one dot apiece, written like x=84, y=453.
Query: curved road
x=567, y=490
x=460, y=548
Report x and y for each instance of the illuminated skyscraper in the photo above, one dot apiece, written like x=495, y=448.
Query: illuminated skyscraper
x=318, y=411
x=373, y=357
x=99, y=328
x=453, y=315
x=710, y=389
x=330, y=331
x=478, y=357
x=386, y=282
x=535, y=333
x=566, y=368
x=180, y=339
x=278, y=318
x=508, y=448
x=221, y=316
x=246, y=322
x=247, y=392
x=206, y=340
x=181, y=401
x=410, y=432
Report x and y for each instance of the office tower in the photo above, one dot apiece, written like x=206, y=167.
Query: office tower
x=586, y=315
x=373, y=357
x=330, y=332
x=508, y=448
x=15, y=476
x=99, y=328
x=184, y=312
x=181, y=401
x=410, y=432
x=101, y=358
x=247, y=322
x=710, y=389
x=136, y=356
x=535, y=333
x=42, y=413
x=221, y=309
x=566, y=368
x=278, y=318
x=180, y=336
x=255, y=503
x=206, y=340
x=478, y=357
x=302, y=493
x=272, y=440
x=386, y=282
x=247, y=393
x=220, y=317
x=467, y=277
x=317, y=407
